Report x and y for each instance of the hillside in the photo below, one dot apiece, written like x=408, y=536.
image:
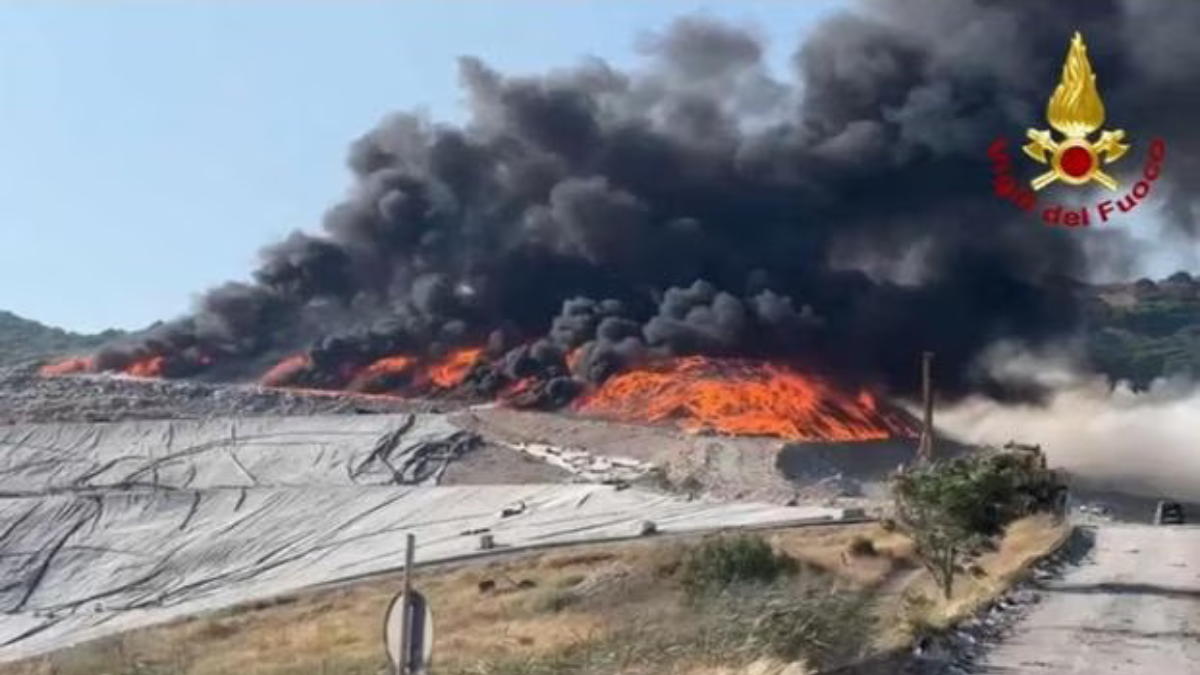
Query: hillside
x=23, y=340
x=1147, y=329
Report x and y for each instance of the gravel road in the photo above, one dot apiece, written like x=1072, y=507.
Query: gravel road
x=1131, y=607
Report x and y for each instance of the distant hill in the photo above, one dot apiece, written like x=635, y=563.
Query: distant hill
x=1146, y=329
x=23, y=340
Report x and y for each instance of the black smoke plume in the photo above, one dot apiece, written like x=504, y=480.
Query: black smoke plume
x=840, y=217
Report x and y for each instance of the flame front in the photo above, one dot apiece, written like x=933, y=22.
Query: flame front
x=451, y=371
x=151, y=366
x=738, y=396
x=731, y=396
x=285, y=370
x=1075, y=108
x=401, y=374
x=390, y=366
x=68, y=366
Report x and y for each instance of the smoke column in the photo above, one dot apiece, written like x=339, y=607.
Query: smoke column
x=839, y=217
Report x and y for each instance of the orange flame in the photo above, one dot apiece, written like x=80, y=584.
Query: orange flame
x=450, y=371
x=389, y=365
x=284, y=370
x=516, y=388
x=75, y=364
x=148, y=367
x=737, y=396
x=444, y=374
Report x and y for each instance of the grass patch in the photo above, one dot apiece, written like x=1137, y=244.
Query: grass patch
x=781, y=620
x=556, y=600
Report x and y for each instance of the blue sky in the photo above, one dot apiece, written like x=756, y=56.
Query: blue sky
x=149, y=150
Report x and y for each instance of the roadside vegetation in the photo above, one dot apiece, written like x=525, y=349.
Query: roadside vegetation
x=954, y=510
x=977, y=524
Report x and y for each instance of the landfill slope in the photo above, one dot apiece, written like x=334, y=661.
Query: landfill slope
x=228, y=452
x=110, y=526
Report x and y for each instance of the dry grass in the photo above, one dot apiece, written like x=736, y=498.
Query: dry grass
x=617, y=606
x=579, y=594
x=829, y=549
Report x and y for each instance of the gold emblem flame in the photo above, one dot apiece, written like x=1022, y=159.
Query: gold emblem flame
x=1075, y=111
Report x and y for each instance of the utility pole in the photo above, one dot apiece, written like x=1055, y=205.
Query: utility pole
x=925, y=449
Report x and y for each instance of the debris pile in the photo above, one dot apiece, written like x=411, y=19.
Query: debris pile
x=585, y=465
x=27, y=397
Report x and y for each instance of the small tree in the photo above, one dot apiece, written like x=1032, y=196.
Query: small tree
x=940, y=533
x=950, y=508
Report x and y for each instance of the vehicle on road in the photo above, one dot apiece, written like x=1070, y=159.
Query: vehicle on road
x=1169, y=513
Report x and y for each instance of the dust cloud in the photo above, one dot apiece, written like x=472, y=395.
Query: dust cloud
x=1108, y=437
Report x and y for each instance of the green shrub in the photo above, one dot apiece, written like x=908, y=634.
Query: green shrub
x=720, y=562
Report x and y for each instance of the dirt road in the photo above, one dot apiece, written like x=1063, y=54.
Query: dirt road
x=1132, y=607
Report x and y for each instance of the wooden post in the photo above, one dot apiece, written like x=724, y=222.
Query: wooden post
x=925, y=448
x=406, y=611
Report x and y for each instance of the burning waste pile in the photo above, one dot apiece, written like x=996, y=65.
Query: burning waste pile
x=697, y=240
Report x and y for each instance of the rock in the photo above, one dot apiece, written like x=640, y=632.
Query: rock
x=965, y=637
x=774, y=667
x=795, y=669
x=762, y=667
x=1024, y=597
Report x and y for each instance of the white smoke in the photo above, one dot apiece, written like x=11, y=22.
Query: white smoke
x=1108, y=437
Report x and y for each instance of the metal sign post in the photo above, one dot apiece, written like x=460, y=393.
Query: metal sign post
x=406, y=606
x=408, y=625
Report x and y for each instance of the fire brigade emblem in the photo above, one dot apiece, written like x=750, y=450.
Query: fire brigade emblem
x=1075, y=111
